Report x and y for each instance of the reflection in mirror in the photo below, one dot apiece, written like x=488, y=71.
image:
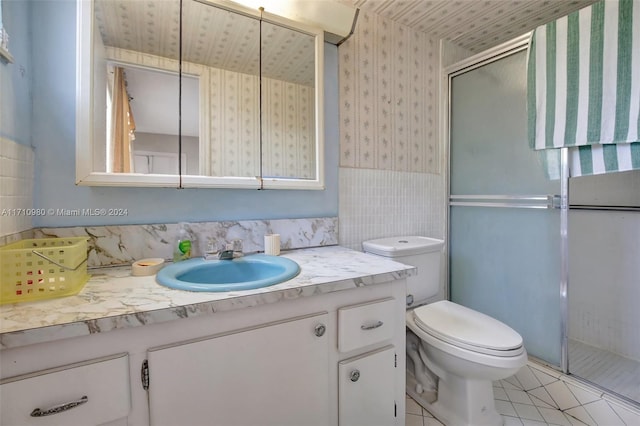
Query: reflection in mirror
x=153, y=100
x=225, y=47
x=136, y=60
x=288, y=99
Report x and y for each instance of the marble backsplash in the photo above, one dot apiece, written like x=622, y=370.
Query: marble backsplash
x=124, y=244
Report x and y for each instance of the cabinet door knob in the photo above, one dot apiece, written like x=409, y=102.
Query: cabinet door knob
x=59, y=408
x=320, y=330
x=409, y=299
x=355, y=375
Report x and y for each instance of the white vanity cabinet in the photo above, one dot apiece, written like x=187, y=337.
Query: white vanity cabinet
x=334, y=363
x=369, y=334
x=271, y=375
x=94, y=392
x=285, y=362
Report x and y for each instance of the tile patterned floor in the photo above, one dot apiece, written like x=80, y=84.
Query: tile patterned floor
x=538, y=395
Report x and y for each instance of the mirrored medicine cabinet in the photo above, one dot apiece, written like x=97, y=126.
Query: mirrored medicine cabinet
x=197, y=93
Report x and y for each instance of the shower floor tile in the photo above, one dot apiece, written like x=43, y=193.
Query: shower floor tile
x=609, y=370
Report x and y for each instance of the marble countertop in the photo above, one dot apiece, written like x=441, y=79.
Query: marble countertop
x=113, y=299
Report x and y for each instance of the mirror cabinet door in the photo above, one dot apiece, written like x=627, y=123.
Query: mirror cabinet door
x=221, y=49
x=170, y=95
x=136, y=88
x=288, y=103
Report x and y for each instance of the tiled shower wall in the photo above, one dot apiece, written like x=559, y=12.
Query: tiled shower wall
x=16, y=189
x=604, y=286
x=391, y=162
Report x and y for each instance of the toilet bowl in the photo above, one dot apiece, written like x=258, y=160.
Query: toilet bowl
x=454, y=353
x=467, y=351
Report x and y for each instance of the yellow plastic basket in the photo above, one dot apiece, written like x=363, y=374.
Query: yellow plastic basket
x=42, y=269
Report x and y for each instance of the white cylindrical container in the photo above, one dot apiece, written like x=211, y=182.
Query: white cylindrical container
x=272, y=244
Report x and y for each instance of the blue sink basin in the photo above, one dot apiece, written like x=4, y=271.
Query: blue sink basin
x=243, y=273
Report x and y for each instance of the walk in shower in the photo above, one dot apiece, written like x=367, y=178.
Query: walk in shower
x=557, y=259
x=604, y=290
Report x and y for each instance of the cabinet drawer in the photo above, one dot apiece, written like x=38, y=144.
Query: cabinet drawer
x=365, y=324
x=87, y=393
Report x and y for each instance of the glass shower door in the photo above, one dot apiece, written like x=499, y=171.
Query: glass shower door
x=504, y=232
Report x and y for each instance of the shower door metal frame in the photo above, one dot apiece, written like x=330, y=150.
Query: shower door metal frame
x=560, y=201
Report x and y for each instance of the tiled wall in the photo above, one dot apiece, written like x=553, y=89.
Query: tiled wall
x=383, y=203
x=16, y=189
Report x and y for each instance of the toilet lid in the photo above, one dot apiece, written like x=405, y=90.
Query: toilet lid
x=461, y=326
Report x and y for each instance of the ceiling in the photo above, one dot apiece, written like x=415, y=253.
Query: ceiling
x=211, y=36
x=224, y=40
x=475, y=25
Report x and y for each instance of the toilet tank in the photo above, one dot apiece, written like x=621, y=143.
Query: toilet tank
x=422, y=252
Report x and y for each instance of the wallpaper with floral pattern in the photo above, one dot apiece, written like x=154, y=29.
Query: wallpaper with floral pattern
x=388, y=97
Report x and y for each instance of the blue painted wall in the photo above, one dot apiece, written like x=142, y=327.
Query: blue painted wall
x=15, y=78
x=53, y=135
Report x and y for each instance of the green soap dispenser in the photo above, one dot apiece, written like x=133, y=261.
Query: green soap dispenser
x=182, y=249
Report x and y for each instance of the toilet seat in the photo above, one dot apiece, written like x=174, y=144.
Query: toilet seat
x=465, y=328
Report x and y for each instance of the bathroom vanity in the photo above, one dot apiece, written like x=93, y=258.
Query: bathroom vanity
x=325, y=348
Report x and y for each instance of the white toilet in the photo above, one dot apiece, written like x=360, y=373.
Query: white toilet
x=453, y=353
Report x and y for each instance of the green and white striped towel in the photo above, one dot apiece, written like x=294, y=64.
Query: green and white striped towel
x=584, y=87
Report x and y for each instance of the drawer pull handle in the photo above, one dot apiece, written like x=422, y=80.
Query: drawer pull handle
x=59, y=408
x=372, y=326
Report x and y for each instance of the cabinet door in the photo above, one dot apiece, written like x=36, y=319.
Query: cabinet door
x=367, y=389
x=270, y=375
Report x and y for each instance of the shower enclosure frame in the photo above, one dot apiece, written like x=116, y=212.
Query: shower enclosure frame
x=560, y=201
